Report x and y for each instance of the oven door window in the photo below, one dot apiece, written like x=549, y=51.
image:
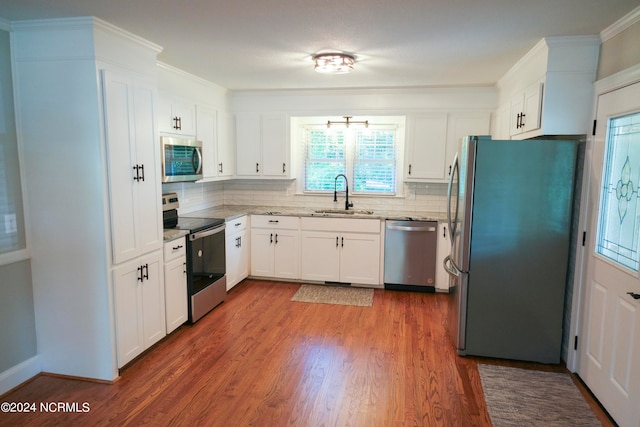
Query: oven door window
x=208, y=260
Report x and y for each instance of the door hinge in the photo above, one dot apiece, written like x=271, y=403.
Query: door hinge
x=593, y=132
x=575, y=342
x=584, y=237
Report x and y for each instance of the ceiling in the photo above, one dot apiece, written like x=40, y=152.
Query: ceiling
x=267, y=44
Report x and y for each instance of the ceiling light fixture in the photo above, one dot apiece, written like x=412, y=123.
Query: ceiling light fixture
x=334, y=63
x=347, y=121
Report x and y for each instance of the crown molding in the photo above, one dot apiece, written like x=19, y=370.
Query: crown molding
x=620, y=25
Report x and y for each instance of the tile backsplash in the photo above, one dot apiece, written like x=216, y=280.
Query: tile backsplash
x=417, y=197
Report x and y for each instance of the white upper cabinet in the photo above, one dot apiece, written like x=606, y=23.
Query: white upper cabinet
x=433, y=142
x=526, y=110
x=134, y=189
x=216, y=151
x=426, y=146
x=549, y=91
x=177, y=116
x=263, y=145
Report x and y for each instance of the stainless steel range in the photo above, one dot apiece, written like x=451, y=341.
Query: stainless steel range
x=206, y=279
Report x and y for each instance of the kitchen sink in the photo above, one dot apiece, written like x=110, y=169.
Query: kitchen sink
x=343, y=212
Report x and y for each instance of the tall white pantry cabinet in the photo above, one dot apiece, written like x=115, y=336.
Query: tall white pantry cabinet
x=93, y=220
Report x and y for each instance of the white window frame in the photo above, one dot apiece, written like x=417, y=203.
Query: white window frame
x=299, y=124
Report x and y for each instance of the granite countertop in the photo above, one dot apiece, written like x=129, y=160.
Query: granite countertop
x=229, y=212
x=173, y=234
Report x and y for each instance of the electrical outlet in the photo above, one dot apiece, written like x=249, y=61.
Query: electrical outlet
x=10, y=224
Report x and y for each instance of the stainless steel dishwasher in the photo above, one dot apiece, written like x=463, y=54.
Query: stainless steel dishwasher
x=410, y=255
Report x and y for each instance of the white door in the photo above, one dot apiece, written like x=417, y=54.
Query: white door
x=609, y=354
x=360, y=258
x=274, y=145
x=286, y=254
x=319, y=256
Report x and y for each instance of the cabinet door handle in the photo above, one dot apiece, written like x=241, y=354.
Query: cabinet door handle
x=634, y=295
x=137, y=169
x=409, y=168
x=450, y=170
x=220, y=167
x=337, y=238
x=237, y=224
x=257, y=167
x=342, y=242
x=522, y=116
x=271, y=238
x=177, y=123
x=175, y=248
x=140, y=276
x=273, y=221
x=142, y=169
x=184, y=267
x=276, y=238
x=237, y=242
x=284, y=168
x=146, y=269
x=240, y=241
x=444, y=231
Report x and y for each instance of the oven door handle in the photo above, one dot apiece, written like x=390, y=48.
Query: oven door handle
x=205, y=233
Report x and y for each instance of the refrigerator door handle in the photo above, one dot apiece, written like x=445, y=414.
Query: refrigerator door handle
x=454, y=171
x=450, y=267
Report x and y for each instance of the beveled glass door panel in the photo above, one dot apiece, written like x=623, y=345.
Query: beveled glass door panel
x=619, y=218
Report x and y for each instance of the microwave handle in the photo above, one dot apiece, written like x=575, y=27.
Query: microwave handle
x=198, y=151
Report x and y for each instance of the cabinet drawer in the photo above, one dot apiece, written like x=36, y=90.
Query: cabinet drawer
x=236, y=224
x=275, y=221
x=174, y=249
x=356, y=225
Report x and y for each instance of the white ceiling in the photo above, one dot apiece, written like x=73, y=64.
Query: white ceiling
x=266, y=44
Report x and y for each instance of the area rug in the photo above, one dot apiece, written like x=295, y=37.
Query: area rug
x=521, y=397
x=327, y=294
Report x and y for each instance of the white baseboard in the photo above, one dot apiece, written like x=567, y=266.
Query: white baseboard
x=18, y=374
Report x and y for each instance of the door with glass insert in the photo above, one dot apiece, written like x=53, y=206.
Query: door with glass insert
x=609, y=348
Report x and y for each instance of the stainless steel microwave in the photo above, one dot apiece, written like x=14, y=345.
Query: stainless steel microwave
x=181, y=159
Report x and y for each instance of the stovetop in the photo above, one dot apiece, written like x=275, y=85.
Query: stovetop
x=197, y=224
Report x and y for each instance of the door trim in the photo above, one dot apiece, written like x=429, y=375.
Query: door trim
x=608, y=84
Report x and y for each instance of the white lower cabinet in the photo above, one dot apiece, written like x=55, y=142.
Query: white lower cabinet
x=175, y=284
x=443, y=249
x=274, y=246
x=331, y=253
x=139, y=305
x=237, y=251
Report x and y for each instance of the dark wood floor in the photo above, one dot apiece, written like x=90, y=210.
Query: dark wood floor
x=261, y=360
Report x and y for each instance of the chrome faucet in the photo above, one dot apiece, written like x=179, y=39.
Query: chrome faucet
x=347, y=205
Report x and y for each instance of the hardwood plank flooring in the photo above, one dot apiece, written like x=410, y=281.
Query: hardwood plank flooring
x=261, y=360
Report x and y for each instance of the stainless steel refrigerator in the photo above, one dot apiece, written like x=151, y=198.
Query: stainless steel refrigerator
x=510, y=206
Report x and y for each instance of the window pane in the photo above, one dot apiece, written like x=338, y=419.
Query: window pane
x=375, y=161
x=325, y=158
x=12, y=229
x=619, y=214
x=375, y=177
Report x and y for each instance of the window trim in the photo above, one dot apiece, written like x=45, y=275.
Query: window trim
x=299, y=124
